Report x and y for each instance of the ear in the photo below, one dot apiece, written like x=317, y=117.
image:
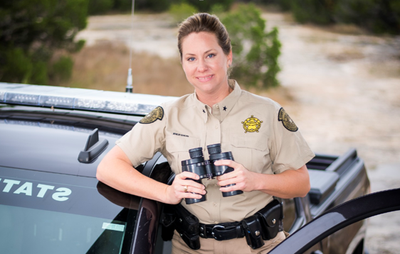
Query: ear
x=229, y=59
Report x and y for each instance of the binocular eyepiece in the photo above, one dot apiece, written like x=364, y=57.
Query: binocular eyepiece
x=206, y=168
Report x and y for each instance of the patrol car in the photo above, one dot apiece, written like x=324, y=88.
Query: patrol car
x=51, y=141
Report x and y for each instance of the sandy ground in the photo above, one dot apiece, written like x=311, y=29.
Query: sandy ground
x=345, y=89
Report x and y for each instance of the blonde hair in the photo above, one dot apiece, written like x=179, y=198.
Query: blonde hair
x=204, y=22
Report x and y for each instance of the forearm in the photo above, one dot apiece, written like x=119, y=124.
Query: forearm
x=288, y=184
x=120, y=174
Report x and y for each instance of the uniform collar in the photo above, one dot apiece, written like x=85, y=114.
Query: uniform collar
x=219, y=110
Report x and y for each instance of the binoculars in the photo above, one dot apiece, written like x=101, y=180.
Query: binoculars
x=206, y=168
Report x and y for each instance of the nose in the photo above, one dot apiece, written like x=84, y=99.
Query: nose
x=202, y=65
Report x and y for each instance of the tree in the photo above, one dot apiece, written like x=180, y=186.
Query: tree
x=31, y=31
x=255, y=51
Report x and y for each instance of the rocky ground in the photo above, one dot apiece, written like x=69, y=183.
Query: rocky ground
x=345, y=90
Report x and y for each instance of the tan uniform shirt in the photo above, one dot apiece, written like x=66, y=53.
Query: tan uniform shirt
x=258, y=132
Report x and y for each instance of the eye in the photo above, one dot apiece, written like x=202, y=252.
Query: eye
x=190, y=59
x=211, y=55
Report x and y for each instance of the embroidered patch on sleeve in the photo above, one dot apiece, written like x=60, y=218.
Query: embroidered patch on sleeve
x=251, y=124
x=287, y=121
x=156, y=114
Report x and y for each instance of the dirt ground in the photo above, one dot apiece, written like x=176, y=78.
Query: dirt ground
x=345, y=90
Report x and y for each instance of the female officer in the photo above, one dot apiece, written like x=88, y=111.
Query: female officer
x=269, y=152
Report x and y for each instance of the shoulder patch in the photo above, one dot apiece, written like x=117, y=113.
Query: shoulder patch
x=287, y=121
x=156, y=114
x=251, y=124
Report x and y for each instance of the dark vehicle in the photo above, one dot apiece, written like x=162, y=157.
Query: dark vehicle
x=51, y=141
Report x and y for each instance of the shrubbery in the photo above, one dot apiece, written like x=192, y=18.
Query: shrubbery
x=377, y=16
x=30, y=33
x=104, y=6
x=180, y=12
x=255, y=51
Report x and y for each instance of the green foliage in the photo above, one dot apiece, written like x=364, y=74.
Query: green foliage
x=104, y=6
x=152, y=5
x=255, y=51
x=62, y=69
x=31, y=30
x=315, y=11
x=378, y=16
x=100, y=6
x=180, y=12
x=16, y=65
x=206, y=5
x=39, y=73
x=217, y=9
x=122, y=5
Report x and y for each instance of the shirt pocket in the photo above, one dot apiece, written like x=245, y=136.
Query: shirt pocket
x=178, y=149
x=251, y=151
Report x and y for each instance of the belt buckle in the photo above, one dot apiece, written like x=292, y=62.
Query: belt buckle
x=216, y=227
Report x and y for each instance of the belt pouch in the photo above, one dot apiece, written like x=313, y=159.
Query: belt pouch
x=270, y=217
x=187, y=226
x=252, y=231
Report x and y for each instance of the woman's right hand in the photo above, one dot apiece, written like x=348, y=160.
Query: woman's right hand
x=184, y=187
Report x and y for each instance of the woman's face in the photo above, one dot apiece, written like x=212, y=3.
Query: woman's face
x=205, y=64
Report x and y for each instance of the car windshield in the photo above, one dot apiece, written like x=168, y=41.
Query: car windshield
x=51, y=213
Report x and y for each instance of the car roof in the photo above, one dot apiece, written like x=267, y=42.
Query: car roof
x=47, y=147
x=47, y=128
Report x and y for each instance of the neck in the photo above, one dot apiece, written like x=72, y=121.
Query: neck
x=213, y=98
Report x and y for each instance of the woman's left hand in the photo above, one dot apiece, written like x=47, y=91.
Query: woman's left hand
x=242, y=178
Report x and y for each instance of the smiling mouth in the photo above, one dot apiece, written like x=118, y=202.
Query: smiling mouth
x=204, y=79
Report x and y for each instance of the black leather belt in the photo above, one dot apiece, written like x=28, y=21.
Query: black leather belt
x=223, y=231
x=263, y=225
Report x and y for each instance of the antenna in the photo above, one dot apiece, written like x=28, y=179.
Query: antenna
x=129, y=87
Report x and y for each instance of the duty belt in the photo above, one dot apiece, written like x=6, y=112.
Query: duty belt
x=263, y=225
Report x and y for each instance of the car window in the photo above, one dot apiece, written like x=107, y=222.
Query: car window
x=52, y=213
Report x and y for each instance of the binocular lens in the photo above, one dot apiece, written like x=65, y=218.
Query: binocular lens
x=206, y=168
x=214, y=149
x=196, y=165
x=196, y=152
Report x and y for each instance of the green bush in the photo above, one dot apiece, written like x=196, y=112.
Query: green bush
x=206, y=5
x=17, y=66
x=100, y=6
x=123, y=5
x=377, y=16
x=31, y=31
x=315, y=11
x=180, y=12
x=62, y=69
x=152, y=5
x=255, y=52
x=40, y=75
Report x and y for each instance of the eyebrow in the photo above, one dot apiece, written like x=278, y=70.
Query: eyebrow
x=192, y=54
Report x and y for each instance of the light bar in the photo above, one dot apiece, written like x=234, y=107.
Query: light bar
x=80, y=99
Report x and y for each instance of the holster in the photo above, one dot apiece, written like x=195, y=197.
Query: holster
x=167, y=221
x=187, y=225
